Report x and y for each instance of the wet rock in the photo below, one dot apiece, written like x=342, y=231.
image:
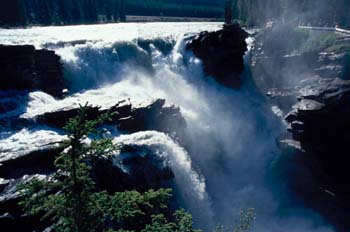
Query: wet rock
x=134, y=168
x=25, y=68
x=36, y=162
x=153, y=116
x=222, y=53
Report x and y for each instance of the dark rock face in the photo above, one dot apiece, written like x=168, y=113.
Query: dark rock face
x=36, y=162
x=310, y=88
x=155, y=116
x=136, y=168
x=320, y=125
x=25, y=68
x=222, y=53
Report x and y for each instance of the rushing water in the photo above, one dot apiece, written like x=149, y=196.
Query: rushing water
x=229, y=162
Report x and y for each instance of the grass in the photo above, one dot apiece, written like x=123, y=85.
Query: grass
x=317, y=42
x=339, y=48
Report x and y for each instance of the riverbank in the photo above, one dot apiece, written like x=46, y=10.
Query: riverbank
x=129, y=19
x=139, y=18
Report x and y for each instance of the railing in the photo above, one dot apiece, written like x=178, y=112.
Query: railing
x=335, y=29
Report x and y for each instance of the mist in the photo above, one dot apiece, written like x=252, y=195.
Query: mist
x=227, y=160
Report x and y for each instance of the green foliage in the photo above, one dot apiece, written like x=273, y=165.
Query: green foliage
x=58, y=12
x=11, y=13
x=69, y=197
x=246, y=219
x=180, y=8
x=245, y=222
x=319, y=41
x=48, y=12
x=338, y=48
x=183, y=223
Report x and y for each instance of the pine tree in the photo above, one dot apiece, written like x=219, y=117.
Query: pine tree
x=70, y=198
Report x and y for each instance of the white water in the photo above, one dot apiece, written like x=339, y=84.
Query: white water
x=178, y=159
x=231, y=133
x=26, y=141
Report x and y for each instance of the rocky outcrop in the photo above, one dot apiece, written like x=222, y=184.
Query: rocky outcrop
x=152, y=116
x=284, y=57
x=320, y=125
x=307, y=85
x=222, y=53
x=35, y=162
x=133, y=168
x=25, y=68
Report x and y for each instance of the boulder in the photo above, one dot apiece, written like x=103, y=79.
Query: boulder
x=25, y=68
x=222, y=53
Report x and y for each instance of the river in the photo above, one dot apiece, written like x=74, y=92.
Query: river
x=229, y=161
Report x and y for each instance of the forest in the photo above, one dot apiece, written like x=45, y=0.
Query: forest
x=249, y=12
x=61, y=12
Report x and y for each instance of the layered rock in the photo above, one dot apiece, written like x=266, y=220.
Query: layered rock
x=126, y=117
x=320, y=125
x=307, y=87
x=25, y=68
x=222, y=53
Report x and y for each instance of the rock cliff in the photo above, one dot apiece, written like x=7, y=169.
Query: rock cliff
x=222, y=53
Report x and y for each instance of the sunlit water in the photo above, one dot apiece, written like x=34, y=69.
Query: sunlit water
x=231, y=134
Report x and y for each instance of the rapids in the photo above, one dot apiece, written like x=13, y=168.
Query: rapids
x=228, y=163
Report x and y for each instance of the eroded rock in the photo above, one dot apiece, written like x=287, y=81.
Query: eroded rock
x=154, y=116
x=222, y=53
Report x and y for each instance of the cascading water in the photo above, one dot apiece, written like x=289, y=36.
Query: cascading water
x=230, y=134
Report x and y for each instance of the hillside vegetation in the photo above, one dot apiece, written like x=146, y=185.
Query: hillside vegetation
x=250, y=12
x=59, y=12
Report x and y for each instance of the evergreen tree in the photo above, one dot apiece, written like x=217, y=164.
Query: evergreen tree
x=71, y=200
x=11, y=13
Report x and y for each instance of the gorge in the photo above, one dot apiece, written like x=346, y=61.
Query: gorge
x=216, y=133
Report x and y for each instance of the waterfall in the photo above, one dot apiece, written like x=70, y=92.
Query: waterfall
x=190, y=184
x=228, y=161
